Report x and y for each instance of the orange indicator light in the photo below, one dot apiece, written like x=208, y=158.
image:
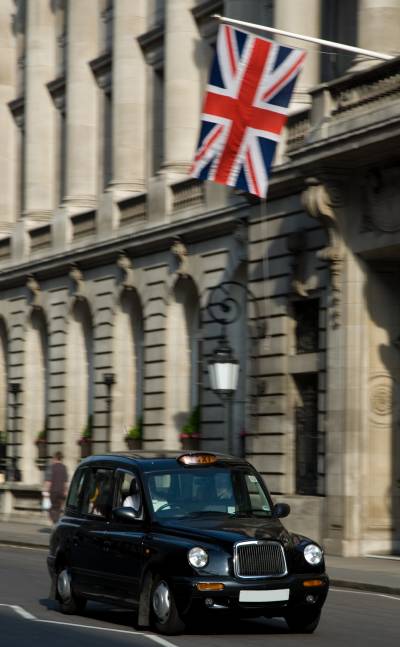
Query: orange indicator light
x=209, y=586
x=313, y=583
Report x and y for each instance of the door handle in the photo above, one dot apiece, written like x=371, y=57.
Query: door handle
x=106, y=546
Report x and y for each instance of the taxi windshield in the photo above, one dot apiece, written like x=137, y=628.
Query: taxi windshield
x=197, y=492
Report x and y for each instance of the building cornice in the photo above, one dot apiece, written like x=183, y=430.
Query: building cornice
x=193, y=229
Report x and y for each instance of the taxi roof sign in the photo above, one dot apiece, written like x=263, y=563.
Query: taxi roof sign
x=197, y=459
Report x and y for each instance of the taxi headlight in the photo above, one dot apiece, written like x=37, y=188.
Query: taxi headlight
x=198, y=557
x=313, y=554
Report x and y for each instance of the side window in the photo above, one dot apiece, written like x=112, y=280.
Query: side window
x=258, y=499
x=97, y=498
x=76, y=490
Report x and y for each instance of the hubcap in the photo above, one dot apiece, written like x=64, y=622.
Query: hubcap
x=64, y=585
x=162, y=601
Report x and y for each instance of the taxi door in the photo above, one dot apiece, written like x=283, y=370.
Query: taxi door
x=125, y=557
x=89, y=542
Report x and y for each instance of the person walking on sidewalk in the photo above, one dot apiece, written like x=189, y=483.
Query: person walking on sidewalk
x=56, y=478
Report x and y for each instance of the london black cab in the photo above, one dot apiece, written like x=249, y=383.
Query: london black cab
x=177, y=536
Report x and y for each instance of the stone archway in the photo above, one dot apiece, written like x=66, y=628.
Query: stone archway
x=3, y=377
x=128, y=364
x=35, y=391
x=182, y=359
x=79, y=378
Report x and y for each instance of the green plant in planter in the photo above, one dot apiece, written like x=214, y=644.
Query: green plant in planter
x=86, y=437
x=134, y=434
x=191, y=429
x=41, y=438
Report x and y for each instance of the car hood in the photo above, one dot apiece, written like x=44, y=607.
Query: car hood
x=228, y=529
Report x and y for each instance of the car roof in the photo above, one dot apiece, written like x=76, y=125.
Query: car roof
x=155, y=461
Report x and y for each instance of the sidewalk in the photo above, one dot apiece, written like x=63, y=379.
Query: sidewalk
x=377, y=574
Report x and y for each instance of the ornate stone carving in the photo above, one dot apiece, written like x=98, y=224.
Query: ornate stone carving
x=180, y=252
x=381, y=197
x=381, y=398
x=320, y=201
x=34, y=292
x=125, y=266
x=78, y=285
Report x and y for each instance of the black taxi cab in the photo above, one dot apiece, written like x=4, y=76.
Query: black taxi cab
x=177, y=536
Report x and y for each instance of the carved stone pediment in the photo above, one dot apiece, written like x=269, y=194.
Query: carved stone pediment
x=381, y=200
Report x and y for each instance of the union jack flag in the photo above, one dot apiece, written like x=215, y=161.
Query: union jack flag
x=245, y=109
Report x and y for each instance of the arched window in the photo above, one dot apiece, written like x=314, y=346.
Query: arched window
x=35, y=389
x=79, y=380
x=128, y=364
x=182, y=354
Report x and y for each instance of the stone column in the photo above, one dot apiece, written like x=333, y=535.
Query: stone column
x=379, y=26
x=128, y=96
x=183, y=94
x=347, y=371
x=302, y=17
x=40, y=115
x=82, y=106
x=8, y=129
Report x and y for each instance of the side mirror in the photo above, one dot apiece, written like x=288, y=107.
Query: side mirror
x=281, y=510
x=126, y=515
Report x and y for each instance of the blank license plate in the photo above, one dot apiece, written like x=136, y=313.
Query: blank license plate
x=264, y=596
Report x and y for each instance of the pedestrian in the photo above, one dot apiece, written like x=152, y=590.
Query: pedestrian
x=55, y=484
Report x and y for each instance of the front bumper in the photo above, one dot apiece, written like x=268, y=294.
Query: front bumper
x=189, y=598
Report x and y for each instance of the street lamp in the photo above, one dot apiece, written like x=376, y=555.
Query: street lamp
x=15, y=388
x=225, y=309
x=109, y=380
x=223, y=369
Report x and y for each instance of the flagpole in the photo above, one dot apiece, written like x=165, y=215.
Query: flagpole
x=309, y=39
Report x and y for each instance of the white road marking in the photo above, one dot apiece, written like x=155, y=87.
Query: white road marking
x=379, y=595
x=22, y=612
x=28, y=616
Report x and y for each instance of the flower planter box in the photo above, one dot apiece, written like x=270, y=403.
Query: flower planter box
x=190, y=442
x=42, y=449
x=86, y=448
x=134, y=443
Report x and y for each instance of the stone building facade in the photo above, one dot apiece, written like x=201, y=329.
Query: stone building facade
x=109, y=253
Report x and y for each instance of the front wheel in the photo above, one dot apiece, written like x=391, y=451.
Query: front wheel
x=70, y=603
x=305, y=623
x=165, y=616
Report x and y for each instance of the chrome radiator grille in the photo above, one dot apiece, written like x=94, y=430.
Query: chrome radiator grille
x=259, y=559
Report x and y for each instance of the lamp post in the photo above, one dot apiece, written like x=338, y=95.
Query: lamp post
x=15, y=388
x=109, y=380
x=223, y=369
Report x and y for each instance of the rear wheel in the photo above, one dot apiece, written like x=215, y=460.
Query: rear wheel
x=165, y=616
x=305, y=623
x=70, y=603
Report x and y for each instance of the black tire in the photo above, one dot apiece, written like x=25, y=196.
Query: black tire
x=304, y=623
x=164, y=613
x=70, y=603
